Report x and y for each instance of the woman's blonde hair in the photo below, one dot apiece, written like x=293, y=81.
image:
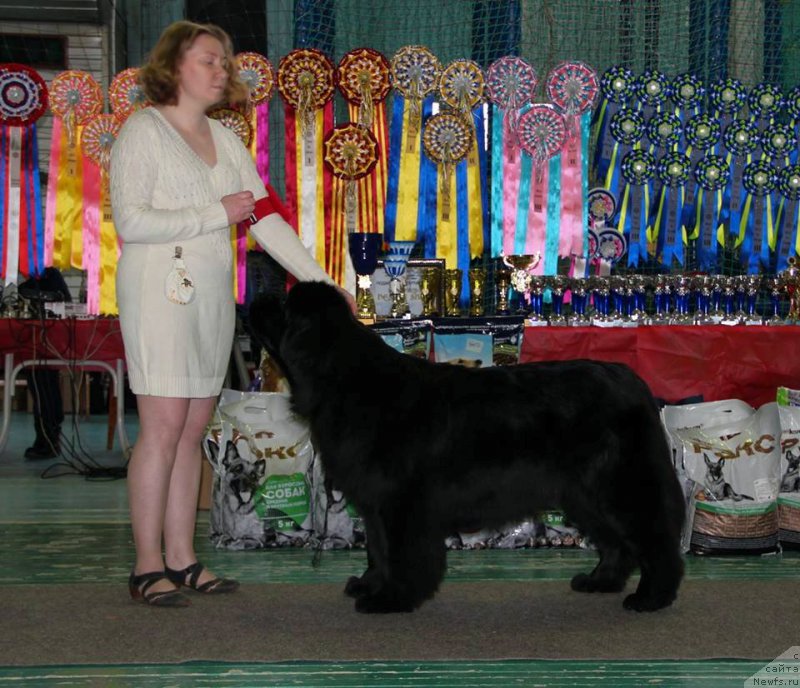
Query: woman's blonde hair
x=159, y=76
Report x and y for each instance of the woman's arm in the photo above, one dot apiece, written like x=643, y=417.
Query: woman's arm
x=134, y=163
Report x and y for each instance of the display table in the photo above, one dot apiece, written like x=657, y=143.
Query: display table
x=91, y=344
x=680, y=361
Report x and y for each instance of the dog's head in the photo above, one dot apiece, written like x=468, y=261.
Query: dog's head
x=307, y=320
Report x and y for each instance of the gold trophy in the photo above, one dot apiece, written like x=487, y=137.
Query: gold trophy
x=521, y=266
x=452, y=279
x=429, y=285
x=502, y=277
x=790, y=279
x=477, y=280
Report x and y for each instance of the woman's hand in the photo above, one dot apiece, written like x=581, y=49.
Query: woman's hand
x=239, y=206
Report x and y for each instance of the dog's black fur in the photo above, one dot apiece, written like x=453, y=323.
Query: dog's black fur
x=423, y=450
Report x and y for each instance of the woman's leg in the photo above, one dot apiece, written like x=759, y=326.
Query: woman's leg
x=181, y=511
x=161, y=424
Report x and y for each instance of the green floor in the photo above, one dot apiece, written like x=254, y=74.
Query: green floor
x=69, y=529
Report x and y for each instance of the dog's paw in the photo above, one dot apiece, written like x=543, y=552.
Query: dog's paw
x=584, y=582
x=646, y=603
x=356, y=587
x=382, y=603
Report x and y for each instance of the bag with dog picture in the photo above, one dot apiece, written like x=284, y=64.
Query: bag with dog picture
x=696, y=416
x=335, y=522
x=789, y=491
x=262, y=458
x=734, y=468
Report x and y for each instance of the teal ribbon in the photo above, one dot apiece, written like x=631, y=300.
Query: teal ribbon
x=525, y=175
x=553, y=216
x=496, y=241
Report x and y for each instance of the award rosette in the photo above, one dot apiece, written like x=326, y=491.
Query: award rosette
x=602, y=207
x=687, y=93
x=664, y=132
x=542, y=135
x=702, y=133
x=306, y=79
x=126, y=95
x=740, y=140
x=638, y=173
x=650, y=90
x=75, y=98
x=711, y=174
x=415, y=73
x=616, y=90
x=726, y=98
x=779, y=142
x=573, y=88
x=236, y=121
x=23, y=100
x=510, y=85
x=462, y=87
x=100, y=247
x=757, y=225
x=791, y=106
x=764, y=102
x=673, y=171
x=351, y=152
x=364, y=80
x=447, y=140
x=788, y=184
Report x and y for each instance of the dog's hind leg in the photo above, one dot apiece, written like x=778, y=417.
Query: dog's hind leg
x=611, y=573
x=369, y=581
x=661, y=568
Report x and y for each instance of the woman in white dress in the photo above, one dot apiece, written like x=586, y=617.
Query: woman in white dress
x=178, y=181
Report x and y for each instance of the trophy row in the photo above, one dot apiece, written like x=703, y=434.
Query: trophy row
x=597, y=300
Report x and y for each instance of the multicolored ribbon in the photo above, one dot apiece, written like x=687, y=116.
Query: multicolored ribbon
x=23, y=100
x=573, y=88
x=510, y=85
x=100, y=245
x=740, y=140
x=126, y=95
x=415, y=77
x=672, y=170
x=726, y=97
x=757, y=225
x=75, y=98
x=711, y=174
x=701, y=133
x=788, y=184
x=306, y=79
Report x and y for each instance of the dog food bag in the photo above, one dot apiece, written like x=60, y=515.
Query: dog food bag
x=735, y=469
x=507, y=341
x=473, y=350
x=696, y=416
x=274, y=450
x=409, y=337
x=335, y=523
x=789, y=491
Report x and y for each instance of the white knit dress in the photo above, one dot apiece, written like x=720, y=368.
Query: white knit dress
x=164, y=195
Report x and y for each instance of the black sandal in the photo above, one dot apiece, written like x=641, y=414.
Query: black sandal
x=215, y=586
x=139, y=585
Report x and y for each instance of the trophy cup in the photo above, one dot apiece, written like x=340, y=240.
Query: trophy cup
x=429, y=285
x=477, y=279
x=364, y=249
x=395, y=265
x=502, y=278
x=752, y=285
x=558, y=285
x=661, y=295
x=580, y=297
x=452, y=292
x=521, y=266
x=682, y=290
x=790, y=279
x=776, y=287
x=704, y=287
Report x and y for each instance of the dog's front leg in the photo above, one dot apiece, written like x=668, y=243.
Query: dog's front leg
x=370, y=581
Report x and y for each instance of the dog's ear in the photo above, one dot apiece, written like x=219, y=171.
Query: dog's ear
x=268, y=321
x=213, y=453
x=317, y=300
x=708, y=462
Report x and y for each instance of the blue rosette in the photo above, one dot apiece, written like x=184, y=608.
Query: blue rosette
x=788, y=186
x=625, y=130
x=616, y=92
x=740, y=140
x=673, y=170
x=651, y=91
x=765, y=101
x=779, y=142
x=711, y=175
x=756, y=223
x=702, y=133
x=726, y=97
x=687, y=92
x=638, y=174
x=663, y=131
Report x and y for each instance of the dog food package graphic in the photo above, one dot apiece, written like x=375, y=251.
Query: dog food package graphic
x=789, y=492
x=696, y=417
x=413, y=337
x=472, y=350
x=735, y=470
x=262, y=458
x=335, y=523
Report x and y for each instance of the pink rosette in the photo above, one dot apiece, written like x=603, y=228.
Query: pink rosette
x=542, y=132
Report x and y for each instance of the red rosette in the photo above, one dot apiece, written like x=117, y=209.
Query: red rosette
x=234, y=120
x=126, y=94
x=364, y=73
x=351, y=151
x=511, y=82
x=542, y=132
x=257, y=73
x=97, y=138
x=573, y=87
x=75, y=94
x=306, y=78
x=23, y=95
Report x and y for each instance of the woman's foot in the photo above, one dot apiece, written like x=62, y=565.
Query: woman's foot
x=155, y=589
x=196, y=577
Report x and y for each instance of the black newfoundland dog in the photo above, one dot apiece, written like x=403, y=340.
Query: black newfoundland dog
x=447, y=448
